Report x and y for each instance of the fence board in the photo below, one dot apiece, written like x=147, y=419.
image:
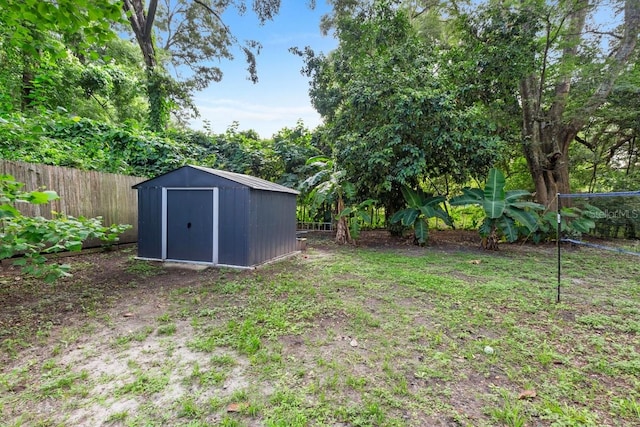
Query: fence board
x=82, y=193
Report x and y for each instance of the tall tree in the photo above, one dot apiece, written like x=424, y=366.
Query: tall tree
x=392, y=119
x=549, y=48
x=193, y=35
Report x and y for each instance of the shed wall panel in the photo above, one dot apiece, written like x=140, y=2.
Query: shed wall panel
x=273, y=225
x=150, y=222
x=233, y=226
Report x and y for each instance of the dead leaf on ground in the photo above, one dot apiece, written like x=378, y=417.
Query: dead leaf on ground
x=527, y=394
x=236, y=407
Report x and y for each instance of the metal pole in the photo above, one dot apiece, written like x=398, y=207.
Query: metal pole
x=558, y=234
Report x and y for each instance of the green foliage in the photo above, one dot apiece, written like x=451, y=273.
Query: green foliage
x=90, y=145
x=391, y=118
x=159, y=102
x=502, y=209
x=574, y=221
x=421, y=207
x=293, y=147
x=31, y=237
x=616, y=217
x=357, y=215
x=327, y=185
x=84, y=22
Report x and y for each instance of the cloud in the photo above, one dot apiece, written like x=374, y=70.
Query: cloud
x=239, y=110
x=263, y=118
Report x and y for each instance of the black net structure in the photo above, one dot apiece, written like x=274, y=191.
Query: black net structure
x=600, y=221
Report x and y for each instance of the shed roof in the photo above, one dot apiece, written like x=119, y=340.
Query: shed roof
x=249, y=181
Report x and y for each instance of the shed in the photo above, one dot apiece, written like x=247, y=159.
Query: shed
x=210, y=216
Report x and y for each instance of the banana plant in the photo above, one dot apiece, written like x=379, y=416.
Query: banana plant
x=329, y=185
x=420, y=207
x=356, y=216
x=502, y=209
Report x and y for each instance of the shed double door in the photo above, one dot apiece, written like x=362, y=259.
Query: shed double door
x=191, y=225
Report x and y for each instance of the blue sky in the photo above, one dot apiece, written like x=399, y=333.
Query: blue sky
x=280, y=98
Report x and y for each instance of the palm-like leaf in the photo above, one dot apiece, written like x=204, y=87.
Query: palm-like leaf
x=526, y=205
x=515, y=194
x=494, y=195
x=486, y=226
x=421, y=207
x=411, y=197
x=320, y=161
x=508, y=228
x=397, y=217
x=523, y=217
x=470, y=196
x=410, y=217
x=422, y=231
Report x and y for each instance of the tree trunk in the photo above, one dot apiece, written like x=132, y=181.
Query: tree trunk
x=343, y=236
x=547, y=132
x=490, y=242
x=545, y=144
x=27, y=88
x=142, y=26
x=393, y=202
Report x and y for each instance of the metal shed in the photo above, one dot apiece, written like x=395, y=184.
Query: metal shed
x=210, y=216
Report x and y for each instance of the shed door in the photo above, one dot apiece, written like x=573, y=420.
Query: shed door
x=190, y=225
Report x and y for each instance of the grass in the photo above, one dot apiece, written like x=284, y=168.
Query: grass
x=359, y=337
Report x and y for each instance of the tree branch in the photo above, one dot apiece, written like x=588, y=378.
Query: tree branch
x=151, y=16
x=622, y=54
x=214, y=13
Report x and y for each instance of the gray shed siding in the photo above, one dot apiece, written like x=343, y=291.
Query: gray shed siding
x=254, y=225
x=150, y=222
x=233, y=224
x=273, y=225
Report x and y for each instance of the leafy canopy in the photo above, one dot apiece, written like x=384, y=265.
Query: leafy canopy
x=392, y=119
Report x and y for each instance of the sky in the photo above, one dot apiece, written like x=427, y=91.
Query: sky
x=281, y=96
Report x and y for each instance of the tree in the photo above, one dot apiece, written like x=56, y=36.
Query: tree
x=329, y=186
x=293, y=147
x=606, y=157
x=192, y=34
x=392, y=119
x=551, y=47
x=36, y=32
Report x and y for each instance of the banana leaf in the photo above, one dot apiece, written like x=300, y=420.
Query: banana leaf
x=422, y=231
x=523, y=217
x=508, y=228
x=470, y=196
x=494, y=195
x=412, y=197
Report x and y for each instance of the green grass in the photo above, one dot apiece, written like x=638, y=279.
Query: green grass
x=144, y=269
x=368, y=337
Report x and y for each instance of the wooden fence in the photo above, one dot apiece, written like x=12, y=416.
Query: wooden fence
x=82, y=193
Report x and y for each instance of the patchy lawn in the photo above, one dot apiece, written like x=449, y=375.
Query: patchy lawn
x=380, y=334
